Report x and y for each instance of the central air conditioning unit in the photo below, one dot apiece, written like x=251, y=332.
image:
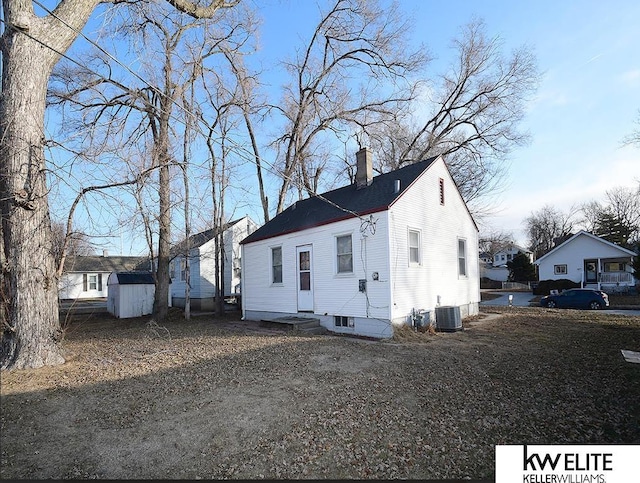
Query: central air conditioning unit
x=448, y=319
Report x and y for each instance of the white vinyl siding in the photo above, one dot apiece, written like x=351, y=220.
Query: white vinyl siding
x=437, y=280
x=202, y=276
x=334, y=294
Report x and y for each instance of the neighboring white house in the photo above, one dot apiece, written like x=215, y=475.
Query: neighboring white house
x=501, y=258
x=131, y=294
x=589, y=260
x=369, y=255
x=85, y=277
x=202, y=265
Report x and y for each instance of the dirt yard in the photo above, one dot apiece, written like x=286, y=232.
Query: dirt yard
x=218, y=399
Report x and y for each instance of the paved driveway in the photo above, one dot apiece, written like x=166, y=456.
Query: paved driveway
x=520, y=299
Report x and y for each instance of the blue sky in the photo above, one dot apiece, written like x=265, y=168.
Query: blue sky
x=586, y=103
x=589, y=53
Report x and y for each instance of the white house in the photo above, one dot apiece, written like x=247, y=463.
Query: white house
x=202, y=267
x=85, y=277
x=369, y=255
x=589, y=260
x=501, y=258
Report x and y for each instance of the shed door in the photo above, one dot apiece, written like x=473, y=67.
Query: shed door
x=304, y=279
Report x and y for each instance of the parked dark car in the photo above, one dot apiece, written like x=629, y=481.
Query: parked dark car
x=577, y=298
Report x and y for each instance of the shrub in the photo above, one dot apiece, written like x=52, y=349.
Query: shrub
x=544, y=287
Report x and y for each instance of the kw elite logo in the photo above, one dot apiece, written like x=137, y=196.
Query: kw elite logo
x=566, y=463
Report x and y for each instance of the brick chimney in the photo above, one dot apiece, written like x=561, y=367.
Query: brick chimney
x=364, y=168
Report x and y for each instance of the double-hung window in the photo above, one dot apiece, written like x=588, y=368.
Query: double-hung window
x=91, y=281
x=344, y=254
x=462, y=257
x=276, y=265
x=414, y=247
x=560, y=269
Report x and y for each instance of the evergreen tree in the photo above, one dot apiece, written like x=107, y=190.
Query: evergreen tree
x=521, y=269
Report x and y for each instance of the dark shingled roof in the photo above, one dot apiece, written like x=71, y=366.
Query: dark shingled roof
x=134, y=278
x=96, y=263
x=315, y=211
x=199, y=239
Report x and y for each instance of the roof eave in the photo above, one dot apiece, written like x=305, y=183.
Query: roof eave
x=316, y=225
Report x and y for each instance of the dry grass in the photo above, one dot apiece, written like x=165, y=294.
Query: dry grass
x=228, y=399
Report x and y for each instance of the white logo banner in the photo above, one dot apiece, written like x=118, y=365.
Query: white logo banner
x=567, y=463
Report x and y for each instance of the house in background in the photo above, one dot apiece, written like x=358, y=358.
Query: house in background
x=367, y=256
x=202, y=266
x=486, y=258
x=85, y=277
x=501, y=258
x=591, y=261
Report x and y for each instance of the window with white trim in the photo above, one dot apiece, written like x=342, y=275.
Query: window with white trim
x=276, y=265
x=91, y=281
x=344, y=254
x=560, y=269
x=414, y=247
x=462, y=257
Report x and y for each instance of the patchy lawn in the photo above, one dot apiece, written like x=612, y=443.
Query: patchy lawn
x=229, y=399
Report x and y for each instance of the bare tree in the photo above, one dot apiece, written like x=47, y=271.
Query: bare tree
x=475, y=110
x=618, y=218
x=354, y=40
x=634, y=137
x=31, y=46
x=494, y=242
x=548, y=227
x=72, y=244
x=246, y=99
x=148, y=111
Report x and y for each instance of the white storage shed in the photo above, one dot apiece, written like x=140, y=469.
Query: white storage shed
x=131, y=294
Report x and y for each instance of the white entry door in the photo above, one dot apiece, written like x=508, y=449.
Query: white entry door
x=305, y=279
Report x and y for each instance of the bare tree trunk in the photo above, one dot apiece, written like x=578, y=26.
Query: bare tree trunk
x=161, y=295
x=31, y=331
x=187, y=223
x=221, y=223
